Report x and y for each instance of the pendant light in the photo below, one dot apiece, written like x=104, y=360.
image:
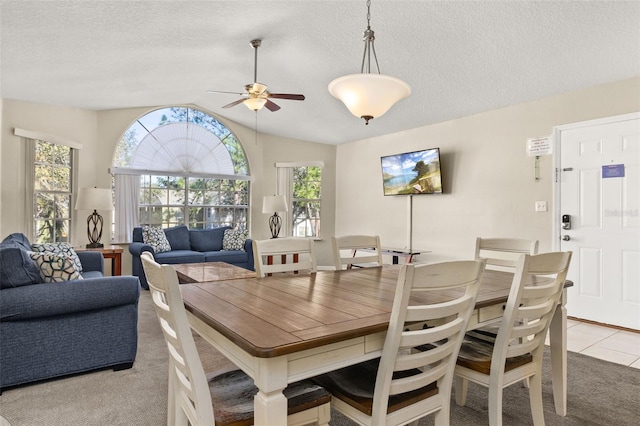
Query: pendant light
x=369, y=95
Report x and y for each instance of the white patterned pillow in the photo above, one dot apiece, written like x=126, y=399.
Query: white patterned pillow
x=55, y=268
x=61, y=249
x=156, y=238
x=234, y=240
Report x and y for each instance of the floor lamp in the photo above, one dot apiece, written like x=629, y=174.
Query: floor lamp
x=94, y=199
x=274, y=204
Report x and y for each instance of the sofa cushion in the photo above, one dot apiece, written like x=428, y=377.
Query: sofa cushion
x=234, y=240
x=207, y=239
x=60, y=249
x=156, y=238
x=233, y=257
x=179, y=256
x=178, y=237
x=56, y=268
x=16, y=267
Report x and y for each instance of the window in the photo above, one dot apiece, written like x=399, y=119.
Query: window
x=52, y=192
x=301, y=184
x=192, y=170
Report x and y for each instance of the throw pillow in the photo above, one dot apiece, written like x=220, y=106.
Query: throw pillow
x=55, y=268
x=156, y=238
x=234, y=240
x=16, y=267
x=178, y=237
x=60, y=249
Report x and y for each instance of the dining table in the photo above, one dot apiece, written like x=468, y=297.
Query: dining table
x=288, y=327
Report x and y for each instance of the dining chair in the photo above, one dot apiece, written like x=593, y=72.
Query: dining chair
x=284, y=255
x=352, y=243
x=503, y=253
x=404, y=385
x=223, y=399
x=515, y=353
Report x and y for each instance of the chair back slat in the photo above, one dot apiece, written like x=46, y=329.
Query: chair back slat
x=503, y=253
x=345, y=250
x=276, y=249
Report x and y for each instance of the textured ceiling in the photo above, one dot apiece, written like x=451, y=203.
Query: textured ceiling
x=460, y=58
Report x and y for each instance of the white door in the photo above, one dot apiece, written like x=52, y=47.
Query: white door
x=598, y=176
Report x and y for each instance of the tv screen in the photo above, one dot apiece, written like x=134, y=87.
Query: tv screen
x=411, y=173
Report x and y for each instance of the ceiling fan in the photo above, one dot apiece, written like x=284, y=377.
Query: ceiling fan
x=256, y=94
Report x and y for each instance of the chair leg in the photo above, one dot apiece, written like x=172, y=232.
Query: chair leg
x=171, y=396
x=442, y=416
x=461, y=386
x=535, y=398
x=495, y=404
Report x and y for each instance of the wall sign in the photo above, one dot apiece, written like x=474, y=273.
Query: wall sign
x=612, y=171
x=539, y=146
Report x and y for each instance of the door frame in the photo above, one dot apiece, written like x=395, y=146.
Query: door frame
x=557, y=155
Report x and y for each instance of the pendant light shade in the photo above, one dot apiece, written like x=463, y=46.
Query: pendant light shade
x=369, y=95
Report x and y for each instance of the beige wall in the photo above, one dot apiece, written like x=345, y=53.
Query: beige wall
x=488, y=177
x=99, y=132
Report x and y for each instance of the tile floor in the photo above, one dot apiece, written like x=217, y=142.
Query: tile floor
x=610, y=344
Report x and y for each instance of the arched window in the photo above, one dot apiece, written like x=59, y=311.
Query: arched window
x=188, y=167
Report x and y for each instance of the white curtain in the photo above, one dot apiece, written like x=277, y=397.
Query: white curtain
x=127, y=194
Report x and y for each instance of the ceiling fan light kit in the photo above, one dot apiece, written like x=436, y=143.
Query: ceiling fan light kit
x=367, y=95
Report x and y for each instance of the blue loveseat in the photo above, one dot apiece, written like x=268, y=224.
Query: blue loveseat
x=190, y=246
x=48, y=330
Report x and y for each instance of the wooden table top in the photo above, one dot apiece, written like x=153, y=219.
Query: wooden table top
x=283, y=314
x=210, y=271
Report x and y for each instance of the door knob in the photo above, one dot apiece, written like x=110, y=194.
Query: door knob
x=566, y=238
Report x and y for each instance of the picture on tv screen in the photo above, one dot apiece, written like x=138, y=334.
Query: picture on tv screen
x=412, y=173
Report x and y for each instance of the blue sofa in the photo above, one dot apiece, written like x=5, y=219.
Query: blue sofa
x=49, y=330
x=190, y=246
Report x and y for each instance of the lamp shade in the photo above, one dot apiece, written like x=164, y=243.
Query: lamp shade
x=369, y=95
x=255, y=104
x=94, y=199
x=273, y=204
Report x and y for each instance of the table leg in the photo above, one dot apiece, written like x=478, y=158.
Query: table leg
x=270, y=404
x=558, y=347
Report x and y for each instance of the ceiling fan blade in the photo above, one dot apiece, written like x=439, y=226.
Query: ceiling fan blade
x=271, y=106
x=220, y=91
x=287, y=96
x=234, y=103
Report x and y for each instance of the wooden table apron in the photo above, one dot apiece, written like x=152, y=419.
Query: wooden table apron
x=285, y=328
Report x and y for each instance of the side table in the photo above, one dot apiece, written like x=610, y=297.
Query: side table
x=109, y=252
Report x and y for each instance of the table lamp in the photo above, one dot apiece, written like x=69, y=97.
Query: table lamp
x=94, y=199
x=275, y=204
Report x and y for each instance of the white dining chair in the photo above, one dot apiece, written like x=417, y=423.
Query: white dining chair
x=515, y=353
x=404, y=385
x=345, y=251
x=284, y=255
x=198, y=399
x=503, y=253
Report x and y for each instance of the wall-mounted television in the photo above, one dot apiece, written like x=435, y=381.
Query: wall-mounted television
x=412, y=173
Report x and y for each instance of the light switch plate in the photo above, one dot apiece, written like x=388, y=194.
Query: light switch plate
x=541, y=206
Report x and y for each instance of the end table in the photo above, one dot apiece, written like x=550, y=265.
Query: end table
x=109, y=252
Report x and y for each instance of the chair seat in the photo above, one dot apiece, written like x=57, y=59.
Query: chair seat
x=477, y=349
x=355, y=385
x=232, y=395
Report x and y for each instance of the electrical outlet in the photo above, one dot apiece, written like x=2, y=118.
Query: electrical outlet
x=541, y=206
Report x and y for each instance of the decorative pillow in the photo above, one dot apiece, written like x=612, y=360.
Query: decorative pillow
x=156, y=238
x=234, y=240
x=16, y=267
x=61, y=249
x=55, y=268
x=207, y=239
x=178, y=237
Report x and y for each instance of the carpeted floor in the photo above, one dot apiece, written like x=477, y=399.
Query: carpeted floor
x=600, y=393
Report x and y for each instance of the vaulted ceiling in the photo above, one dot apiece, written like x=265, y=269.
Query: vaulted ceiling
x=459, y=57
